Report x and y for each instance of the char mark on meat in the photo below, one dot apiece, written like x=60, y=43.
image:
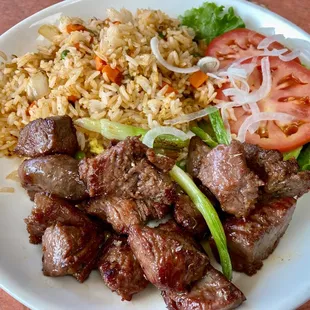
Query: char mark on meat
x=125, y=171
x=47, y=211
x=224, y=171
x=197, y=150
x=47, y=136
x=187, y=215
x=253, y=239
x=170, y=259
x=282, y=178
x=121, y=213
x=54, y=174
x=71, y=250
x=120, y=270
x=212, y=292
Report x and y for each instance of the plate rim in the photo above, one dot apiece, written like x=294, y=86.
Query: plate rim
x=38, y=16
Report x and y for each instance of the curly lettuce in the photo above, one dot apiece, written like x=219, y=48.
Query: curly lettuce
x=210, y=20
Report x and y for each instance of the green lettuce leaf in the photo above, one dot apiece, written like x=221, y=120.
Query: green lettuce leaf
x=210, y=20
x=304, y=158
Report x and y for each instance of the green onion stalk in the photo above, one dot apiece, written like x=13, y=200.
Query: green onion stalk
x=113, y=130
x=207, y=210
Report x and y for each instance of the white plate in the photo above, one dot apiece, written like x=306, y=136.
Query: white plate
x=284, y=281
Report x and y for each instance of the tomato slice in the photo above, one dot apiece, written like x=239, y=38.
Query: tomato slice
x=290, y=93
x=236, y=44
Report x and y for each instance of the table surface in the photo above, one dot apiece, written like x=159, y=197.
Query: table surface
x=14, y=11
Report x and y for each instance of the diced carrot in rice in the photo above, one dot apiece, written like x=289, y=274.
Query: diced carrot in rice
x=198, y=78
x=75, y=27
x=114, y=75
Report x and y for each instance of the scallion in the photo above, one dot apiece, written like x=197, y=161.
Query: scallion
x=204, y=136
x=219, y=128
x=207, y=210
x=113, y=130
x=64, y=54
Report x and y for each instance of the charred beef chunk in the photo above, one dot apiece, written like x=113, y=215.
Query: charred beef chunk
x=212, y=292
x=281, y=178
x=187, y=215
x=47, y=136
x=253, y=239
x=120, y=270
x=54, y=174
x=47, y=211
x=124, y=171
x=170, y=259
x=121, y=213
x=224, y=171
x=163, y=163
x=71, y=250
x=197, y=150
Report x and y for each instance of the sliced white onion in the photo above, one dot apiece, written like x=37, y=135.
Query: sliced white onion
x=152, y=134
x=243, y=97
x=292, y=55
x=163, y=62
x=191, y=116
x=208, y=64
x=266, y=53
x=216, y=77
x=37, y=86
x=263, y=116
x=255, y=112
x=265, y=43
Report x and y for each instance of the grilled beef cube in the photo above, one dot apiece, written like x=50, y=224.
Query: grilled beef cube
x=71, y=250
x=187, y=215
x=197, y=150
x=163, y=163
x=47, y=211
x=170, y=259
x=121, y=213
x=224, y=171
x=282, y=178
x=124, y=171
x=47, y=136
x=212, y=292
x=120, y=270
x=253, y=239
x=54, y=174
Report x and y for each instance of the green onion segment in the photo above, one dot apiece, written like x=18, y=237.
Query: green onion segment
x=210, y=215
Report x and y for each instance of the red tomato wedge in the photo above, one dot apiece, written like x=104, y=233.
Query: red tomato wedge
x=238, y=43
x=290, y=92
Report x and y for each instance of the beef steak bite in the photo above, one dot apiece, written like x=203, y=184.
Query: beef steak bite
x=163, y=163
x=121, y=213
x=253, y=239
x=197, y=150
x=71, y=250
x=282, y=178
x=124, y=171
x=170, y=259
x=47, y=211
x=48, y=136
x=224, y=171
x=212, y=292
x=54, y=174
x=120, y=270
x=187, y=215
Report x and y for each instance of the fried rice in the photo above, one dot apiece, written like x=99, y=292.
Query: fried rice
x=66, y=69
